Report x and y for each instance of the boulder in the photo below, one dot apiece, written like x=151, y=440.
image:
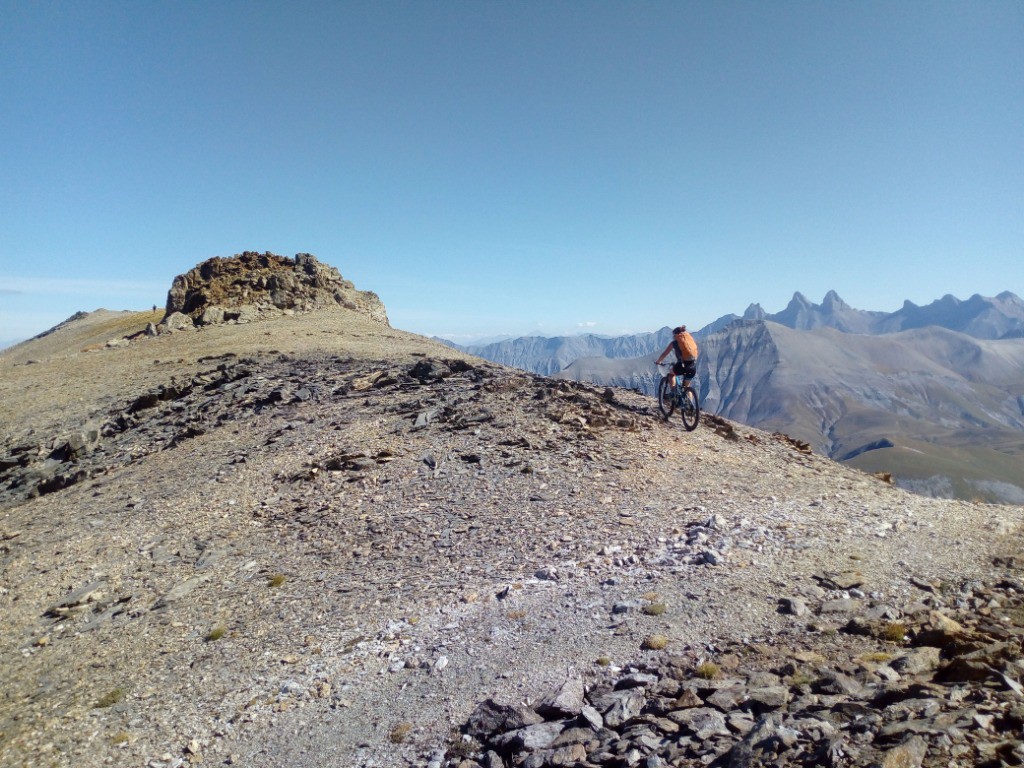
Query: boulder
x=176, y=321
x=211, y=316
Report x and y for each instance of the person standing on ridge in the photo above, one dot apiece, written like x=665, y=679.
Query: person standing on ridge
x=685, y=347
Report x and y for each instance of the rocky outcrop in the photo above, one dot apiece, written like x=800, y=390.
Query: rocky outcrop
x=251, y=285
x=891, y=687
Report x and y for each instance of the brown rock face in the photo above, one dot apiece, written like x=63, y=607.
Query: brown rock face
x=251, y=284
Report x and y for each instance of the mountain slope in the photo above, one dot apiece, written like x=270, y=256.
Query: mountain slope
x=315, y=540
x=544, y=355
x=943, y=395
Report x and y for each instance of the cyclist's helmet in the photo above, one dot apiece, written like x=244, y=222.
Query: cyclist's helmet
x=678, y=329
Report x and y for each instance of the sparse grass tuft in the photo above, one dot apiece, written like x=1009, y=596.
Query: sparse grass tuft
x=654, y=609
x=516, y=615
x=894, y=632
x=823, y=628
x=801, y=678
x=650, y=596
x=654, y=643
x=708, y=670
x=216, y=634
x=460, y=746
x=879, y=657
x=603, y=661
x=119, y=738
x=400, y=732
x=276, y=580
x=111, y=698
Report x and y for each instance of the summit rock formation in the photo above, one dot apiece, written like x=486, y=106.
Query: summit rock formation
x=252, y=285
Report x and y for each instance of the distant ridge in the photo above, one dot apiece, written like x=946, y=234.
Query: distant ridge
x=932, y=394
x=550, y=355
x=981, y=317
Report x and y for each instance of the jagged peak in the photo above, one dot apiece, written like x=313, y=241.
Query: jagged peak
x=754, y=312
x=798, y=300
x=832, y=302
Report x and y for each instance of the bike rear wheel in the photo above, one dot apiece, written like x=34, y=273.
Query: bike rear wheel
x=666, y=398
x=690, y=410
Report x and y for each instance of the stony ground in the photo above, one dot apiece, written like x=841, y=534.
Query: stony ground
x=318, y=541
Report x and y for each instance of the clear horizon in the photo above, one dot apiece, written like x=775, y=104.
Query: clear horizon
x=481, y=339
x=515, y=169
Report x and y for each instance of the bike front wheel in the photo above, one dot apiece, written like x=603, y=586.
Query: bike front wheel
x=666, y=398
x=690, y=410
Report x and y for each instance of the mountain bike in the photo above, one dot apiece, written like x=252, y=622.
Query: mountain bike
x=684, y=399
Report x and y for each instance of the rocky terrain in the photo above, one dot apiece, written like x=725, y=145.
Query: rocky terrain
x=932, y=395
x=251, y=286
x=315, y=540
x=942, y=411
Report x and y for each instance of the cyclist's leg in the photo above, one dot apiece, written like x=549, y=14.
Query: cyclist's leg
x=689, y=372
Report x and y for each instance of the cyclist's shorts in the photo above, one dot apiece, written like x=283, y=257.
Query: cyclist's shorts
x=687, y=369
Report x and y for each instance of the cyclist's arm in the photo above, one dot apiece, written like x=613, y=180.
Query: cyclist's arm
x=663, y=355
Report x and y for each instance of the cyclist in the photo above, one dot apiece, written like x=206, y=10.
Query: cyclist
x=685, y=348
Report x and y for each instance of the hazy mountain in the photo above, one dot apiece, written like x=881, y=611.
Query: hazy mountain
x=833, y=312
x=546, y=356
x=978, y=316
x=942, y=410
x=981, y=317
x=985, y=318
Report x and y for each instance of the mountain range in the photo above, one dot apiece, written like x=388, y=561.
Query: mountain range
x=997, y=317
x=932, y=394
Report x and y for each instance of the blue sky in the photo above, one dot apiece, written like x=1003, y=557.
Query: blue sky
x=514, y=167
